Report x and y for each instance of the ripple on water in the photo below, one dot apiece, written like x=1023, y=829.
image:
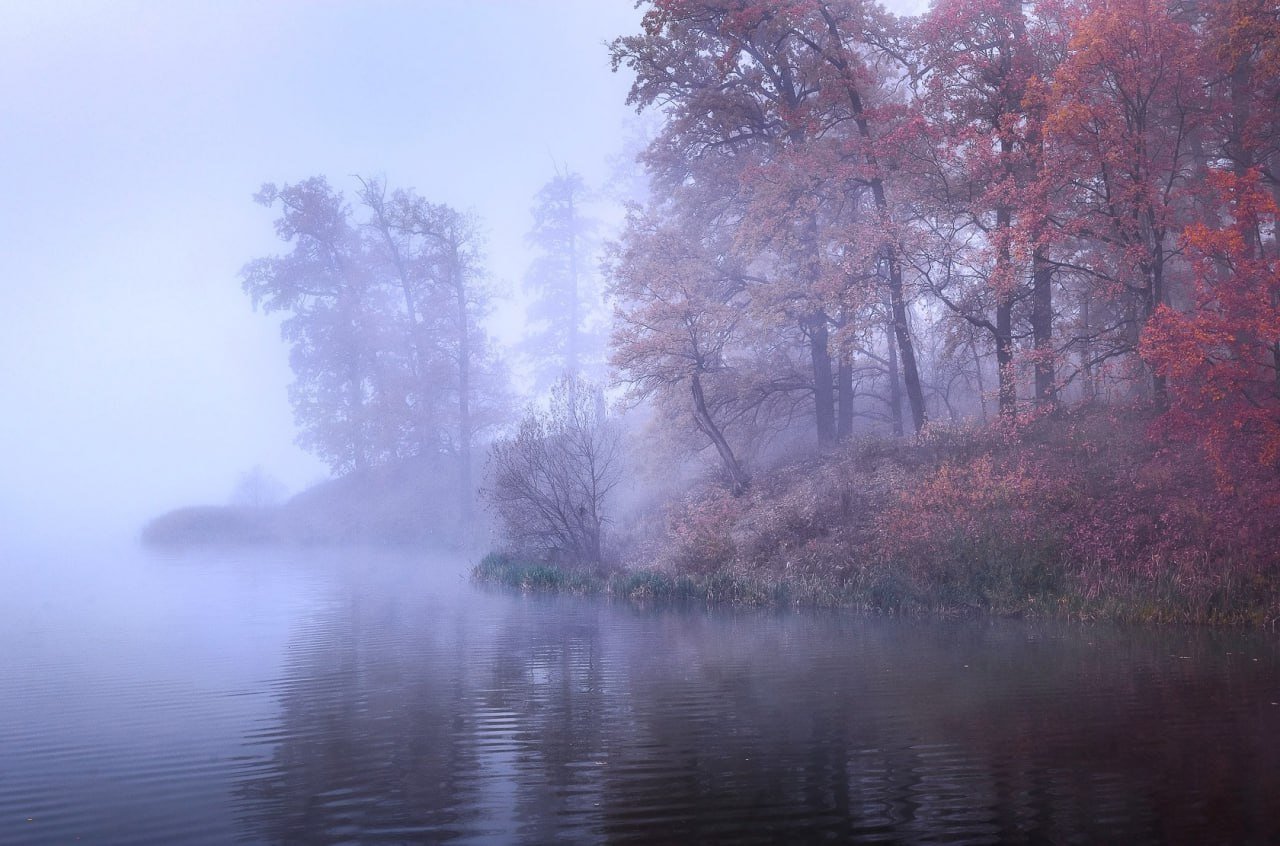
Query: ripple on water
x=365, y=699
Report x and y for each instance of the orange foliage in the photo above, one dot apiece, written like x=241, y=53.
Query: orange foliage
x=1220, y=355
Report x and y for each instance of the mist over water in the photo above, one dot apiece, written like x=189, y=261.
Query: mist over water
x=377, y=697
x=309, y=305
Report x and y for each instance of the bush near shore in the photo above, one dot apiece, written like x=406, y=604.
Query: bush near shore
x=1081, y=516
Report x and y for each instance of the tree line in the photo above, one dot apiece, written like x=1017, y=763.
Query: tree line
x=861, y=216
x=853, y=222
x=384, y=297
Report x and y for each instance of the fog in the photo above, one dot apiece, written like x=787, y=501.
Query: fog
x=136, y=375
x=414, y=431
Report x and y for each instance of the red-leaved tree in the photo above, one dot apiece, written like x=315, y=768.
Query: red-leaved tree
x=1221, y=357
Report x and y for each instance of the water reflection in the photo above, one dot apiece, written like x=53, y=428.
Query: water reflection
x=407, y=715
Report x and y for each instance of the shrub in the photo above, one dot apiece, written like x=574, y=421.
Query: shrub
x=550, y=483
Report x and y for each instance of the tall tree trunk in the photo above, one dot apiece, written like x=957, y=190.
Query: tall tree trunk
x=1159, y=390
x=823, y=385
x=575, y=319
x=906, y=349
x=355, y=381
x=464, y=390
x=895, y=380
x=1241, y=82
x=355, y=421
x=348, y=308
x=1008, y=391
x=1042, y=327
x=1090, y=387
x=702, y=417
x=844, y=391
x=417, y=339
x=1004, y=278
x=977, y=375
x=839, y=59
x=1275, y=362
x=1154, y=299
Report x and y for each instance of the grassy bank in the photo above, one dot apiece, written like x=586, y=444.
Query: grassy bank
x=1226, y=601
x=1080, y=517
x=633, y=585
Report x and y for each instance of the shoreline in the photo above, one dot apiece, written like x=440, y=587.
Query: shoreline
x=1142, y=605
x=1083, y=515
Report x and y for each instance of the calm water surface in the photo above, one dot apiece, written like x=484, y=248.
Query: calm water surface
x=365, y=697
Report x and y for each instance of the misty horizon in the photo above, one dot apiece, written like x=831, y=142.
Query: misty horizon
x=600, y=421
x=136, y=138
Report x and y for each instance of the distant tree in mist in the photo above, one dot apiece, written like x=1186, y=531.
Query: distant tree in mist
x=628, y=180
x=383, y=308
x=549, y=483
x=436, y=256
x=258, y=489
x=563, y=282
x=334, y=317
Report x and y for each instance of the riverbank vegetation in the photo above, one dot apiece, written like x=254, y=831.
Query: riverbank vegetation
x=1081, y=516
x=975, y=310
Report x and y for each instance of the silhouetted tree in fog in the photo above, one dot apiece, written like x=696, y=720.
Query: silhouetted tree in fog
x=549, y=484
x=335, y=323
x=472, y=374
x=389, y=358
x=258, y=489
x=563, y=281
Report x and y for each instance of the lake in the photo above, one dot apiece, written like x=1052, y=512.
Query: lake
x=374, y=697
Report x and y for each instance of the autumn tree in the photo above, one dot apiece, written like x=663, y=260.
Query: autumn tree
x=1221, y=356
x=1240, y=46
x=980, y=188
x=858, y=49
x=1123, y=108
x=404, y=259
x=742, y=89
x=550, y=483
x=678, y=318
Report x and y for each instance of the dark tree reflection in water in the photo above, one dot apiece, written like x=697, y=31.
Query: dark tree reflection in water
x=500, y=718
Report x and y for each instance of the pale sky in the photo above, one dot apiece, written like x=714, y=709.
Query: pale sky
x=135, y=376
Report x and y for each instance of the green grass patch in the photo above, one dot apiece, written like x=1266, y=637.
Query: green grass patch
x=1030, y=583
x=505, y=570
